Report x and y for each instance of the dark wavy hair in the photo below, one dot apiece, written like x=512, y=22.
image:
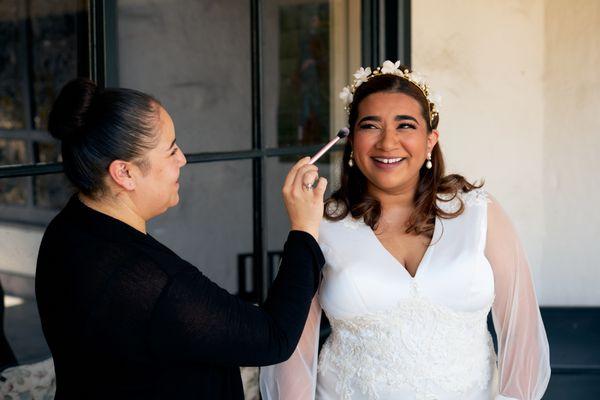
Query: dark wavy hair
x=352, y=196
x=97, y=126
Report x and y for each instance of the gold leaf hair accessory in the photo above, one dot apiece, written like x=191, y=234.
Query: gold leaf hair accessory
x=390, y=68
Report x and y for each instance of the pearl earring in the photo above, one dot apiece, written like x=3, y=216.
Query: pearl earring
x=428, y=164
x=350, y=160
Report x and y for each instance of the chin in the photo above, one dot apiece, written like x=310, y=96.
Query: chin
x=389, y=183
x=387, y=186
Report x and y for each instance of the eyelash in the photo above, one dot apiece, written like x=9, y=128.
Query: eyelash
x=403, y=125
x=367, y=126
x=406, y=125
x=174, y=151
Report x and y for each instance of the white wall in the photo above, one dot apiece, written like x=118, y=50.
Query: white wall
x=512, y=116
x=571, y=253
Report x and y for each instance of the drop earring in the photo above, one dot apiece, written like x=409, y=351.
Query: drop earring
x=351, y=159
x=428, y=164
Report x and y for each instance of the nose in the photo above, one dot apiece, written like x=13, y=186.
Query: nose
x=182, y=159
x=388, y=140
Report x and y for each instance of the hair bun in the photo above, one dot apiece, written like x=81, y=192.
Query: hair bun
x=69, y=112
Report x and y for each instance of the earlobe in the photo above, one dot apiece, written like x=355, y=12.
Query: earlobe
x=130, y=184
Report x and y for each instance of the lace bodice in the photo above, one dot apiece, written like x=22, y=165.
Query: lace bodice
x=417, y=344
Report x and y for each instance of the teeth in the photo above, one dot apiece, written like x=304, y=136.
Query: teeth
x=389, y=160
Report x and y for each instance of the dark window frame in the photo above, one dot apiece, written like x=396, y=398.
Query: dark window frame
x=379, y=21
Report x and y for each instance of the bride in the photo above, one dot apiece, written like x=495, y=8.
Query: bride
x=415, y=261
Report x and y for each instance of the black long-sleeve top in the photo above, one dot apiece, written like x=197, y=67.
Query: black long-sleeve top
x=125, y=317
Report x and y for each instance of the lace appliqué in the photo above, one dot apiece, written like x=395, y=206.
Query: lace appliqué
x=450, y=203
x=418, y=344
x=352, y=223
x=31, y=381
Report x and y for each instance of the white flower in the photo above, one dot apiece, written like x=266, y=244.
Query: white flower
x=346, y=95
x=389, y=67
x=361, y=76
x=418, y=78
x=435, y=98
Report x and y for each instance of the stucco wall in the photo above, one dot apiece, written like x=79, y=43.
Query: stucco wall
x=571, y=254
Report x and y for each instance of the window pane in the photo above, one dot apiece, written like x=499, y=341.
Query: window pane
x=47, y=152
x=308, y=51
x=194, y=56
x=303, y=112
x=51, y=191
x=14, y=191
x=12, y=111
x=54, y=45
x=212, y=225
x=13, y=151
x=277, y=169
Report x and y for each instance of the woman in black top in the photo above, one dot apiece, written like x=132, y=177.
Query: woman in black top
x=123, y=315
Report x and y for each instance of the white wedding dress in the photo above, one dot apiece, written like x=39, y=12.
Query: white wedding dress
x=395, y=336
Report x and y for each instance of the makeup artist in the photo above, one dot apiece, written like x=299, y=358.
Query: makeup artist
x=124, y=316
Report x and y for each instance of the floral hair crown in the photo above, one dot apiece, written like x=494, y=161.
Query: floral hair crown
x=391, y=68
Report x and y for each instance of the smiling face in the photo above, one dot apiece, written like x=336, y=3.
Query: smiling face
x=157, y=185
x=391, y=141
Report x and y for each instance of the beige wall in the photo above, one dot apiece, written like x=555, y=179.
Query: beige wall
x=571, y=247
x=512, y=116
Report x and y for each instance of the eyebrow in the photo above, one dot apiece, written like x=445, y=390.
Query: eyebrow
x=172, y=144
x=396, y=118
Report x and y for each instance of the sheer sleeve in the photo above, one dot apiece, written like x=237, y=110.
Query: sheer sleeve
x=296, y=378
x=523, y=354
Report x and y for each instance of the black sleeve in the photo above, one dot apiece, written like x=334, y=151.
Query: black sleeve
x=197, y=321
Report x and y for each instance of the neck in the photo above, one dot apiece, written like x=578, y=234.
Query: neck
x=401, y=197
x=396, y=205
x=119, y=207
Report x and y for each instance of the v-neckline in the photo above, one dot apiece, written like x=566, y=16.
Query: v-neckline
x=424, y=260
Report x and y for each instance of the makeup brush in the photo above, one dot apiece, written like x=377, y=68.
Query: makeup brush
x=342, y=133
